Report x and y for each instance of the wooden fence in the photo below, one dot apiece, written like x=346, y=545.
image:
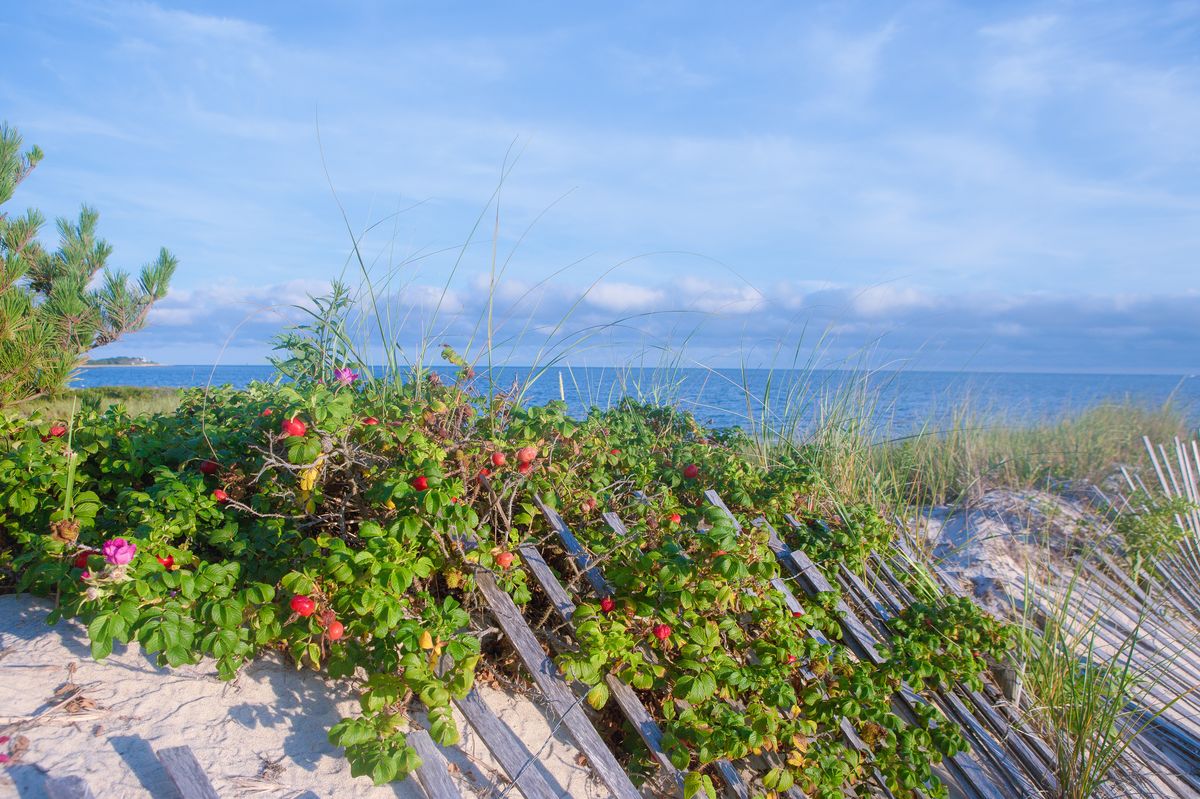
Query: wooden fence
x=1007, y=757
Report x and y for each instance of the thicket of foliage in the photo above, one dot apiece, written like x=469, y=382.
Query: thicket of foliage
x=343, y=520
x=51, y=315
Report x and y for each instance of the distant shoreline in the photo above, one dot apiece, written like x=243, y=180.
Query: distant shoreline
x=120, y=365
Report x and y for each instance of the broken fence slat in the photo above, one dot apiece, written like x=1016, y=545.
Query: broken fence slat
x=641, y=720
x=541, y=667
x=434, y=775
x=507, y=749
x=185, y=771
x=68, y=788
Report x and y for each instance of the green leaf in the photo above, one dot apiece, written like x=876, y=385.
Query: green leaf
x=350, y=732
x=442, y=728
x=598, y=696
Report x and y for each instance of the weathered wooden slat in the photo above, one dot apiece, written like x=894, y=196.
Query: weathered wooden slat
x=582, y=557
x=185, y=771
x=729, y=775
x=526, y=771
x=857, y=636
x=641, y=720
x=434, y=775
x=68, y=788
x=541, y=667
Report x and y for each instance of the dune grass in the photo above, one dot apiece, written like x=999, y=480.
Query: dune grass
x=976, y=452
x=979, y=452
x=136, y=399
x=1092, y=689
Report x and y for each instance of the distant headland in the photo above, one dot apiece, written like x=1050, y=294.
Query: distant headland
x=120, y=360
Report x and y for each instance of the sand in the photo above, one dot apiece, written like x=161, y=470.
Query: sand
x=263, y=734
x=992, y=543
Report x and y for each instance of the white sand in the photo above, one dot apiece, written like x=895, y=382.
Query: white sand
x=992, y=543
x=127, y=707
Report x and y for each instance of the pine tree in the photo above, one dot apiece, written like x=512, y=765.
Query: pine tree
x=56, y=306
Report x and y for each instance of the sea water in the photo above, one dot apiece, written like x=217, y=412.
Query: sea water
x=898, y=402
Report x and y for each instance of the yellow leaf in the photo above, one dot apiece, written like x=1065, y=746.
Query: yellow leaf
x=308, y=478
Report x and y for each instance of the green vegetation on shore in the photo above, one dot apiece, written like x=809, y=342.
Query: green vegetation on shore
x=120, y=360
x=137, y=400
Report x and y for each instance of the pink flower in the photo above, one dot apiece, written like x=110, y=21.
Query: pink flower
x=118, y=551
x=3, y=759
x=345, y=375
x=87, y=575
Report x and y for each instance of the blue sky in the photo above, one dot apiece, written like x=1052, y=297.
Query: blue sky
x=982, y=185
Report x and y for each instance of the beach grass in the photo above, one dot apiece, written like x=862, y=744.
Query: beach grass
x=975, y=452
x=137, y=400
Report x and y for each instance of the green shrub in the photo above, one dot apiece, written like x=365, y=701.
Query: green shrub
x=1149, y=528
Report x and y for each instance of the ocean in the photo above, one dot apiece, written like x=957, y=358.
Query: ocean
x=901, y=402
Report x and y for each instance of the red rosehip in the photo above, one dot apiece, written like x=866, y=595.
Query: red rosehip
x=421, y=482
x=485, y=472
x=168, y=562
x=499, y=459
x=526, y=454
x=525, y=468
x=209, y=467
x=675, y=518
x=608, y=604
x=588, y=505
x=370, y=421
x=293, y=427
x=691, y=471
x=504, y=560
x=797, y=614
x=662, y=632
x=614, y=452
x=81, y=560
x=58, y=431
x=266, y=412
x=220, y=496
x=791, y=658
x=303, y=605
x=334, y=630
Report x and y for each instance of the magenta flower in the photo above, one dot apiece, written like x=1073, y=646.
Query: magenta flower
x=118, y=551
x=345, y=375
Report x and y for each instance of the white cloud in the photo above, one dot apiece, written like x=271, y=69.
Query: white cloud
x=624, y=297
x=883, y=301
